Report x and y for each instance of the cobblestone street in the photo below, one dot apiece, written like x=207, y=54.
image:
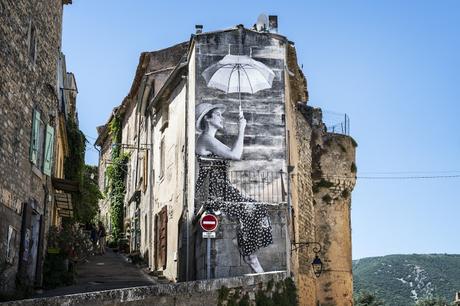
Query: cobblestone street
x=109, y=271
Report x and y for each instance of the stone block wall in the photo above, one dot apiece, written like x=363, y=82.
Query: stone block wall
x=302, y=221
x=26, y=83
x=334, y=177
x=260, y=289
x=322, y=178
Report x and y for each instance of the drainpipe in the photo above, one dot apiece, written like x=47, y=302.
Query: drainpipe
x=289, y=170
x=143, y=100
x=151, y=182
x=185, y=194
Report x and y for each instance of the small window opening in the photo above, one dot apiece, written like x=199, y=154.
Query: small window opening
x=32, y=43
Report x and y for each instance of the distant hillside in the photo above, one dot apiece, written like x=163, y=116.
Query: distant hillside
x=402, y=279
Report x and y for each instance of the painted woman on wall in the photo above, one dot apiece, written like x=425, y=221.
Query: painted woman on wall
x=254, y=230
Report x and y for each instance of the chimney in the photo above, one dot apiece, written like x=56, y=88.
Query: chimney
x=198, y=28
x=273, y=24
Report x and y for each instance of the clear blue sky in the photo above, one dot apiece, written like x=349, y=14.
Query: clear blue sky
x=392, y=66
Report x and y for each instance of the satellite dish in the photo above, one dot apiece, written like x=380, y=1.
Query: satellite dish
x=262, y=23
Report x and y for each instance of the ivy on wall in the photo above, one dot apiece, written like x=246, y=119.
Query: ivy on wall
x=281, y=293
x=116, y=174
x=85, y=201
x=75, y=161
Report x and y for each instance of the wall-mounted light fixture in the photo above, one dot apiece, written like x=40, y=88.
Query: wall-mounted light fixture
x=316, y=264
x=142, y=146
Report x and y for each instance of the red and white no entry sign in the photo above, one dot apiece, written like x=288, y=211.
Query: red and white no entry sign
x=209, y=223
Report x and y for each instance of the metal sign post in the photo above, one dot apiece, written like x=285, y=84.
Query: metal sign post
x=208, y=258
x=208, y=224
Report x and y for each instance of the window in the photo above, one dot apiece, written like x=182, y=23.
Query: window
x=145, y=231
x=162, y=158
x=49, y=149
x=146, y=171
x=32, y=43
x=164, y=116
x=35, y=139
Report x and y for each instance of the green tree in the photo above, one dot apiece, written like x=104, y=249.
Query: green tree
x=90, y=194
x=433, y=301
x=366, y=298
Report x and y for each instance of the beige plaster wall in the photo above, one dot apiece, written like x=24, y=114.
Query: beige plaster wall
x=168, y=189
x=104, y=159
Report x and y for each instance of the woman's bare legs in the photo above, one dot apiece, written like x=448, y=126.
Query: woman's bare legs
x=253, y=263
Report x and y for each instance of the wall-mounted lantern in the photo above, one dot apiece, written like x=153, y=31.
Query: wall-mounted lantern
x=317, y=264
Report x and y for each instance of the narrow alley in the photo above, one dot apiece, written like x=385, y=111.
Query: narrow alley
x=103, y=272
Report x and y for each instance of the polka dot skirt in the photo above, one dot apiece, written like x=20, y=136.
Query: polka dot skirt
x=254, y=228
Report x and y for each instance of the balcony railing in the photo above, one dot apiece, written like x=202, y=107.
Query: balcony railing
x=255, y=186
x=261, y=186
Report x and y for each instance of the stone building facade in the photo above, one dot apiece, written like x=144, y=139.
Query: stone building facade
x=270, y=160
x=30, y=39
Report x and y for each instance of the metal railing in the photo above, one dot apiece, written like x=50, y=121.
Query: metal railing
x=261, y=186
x=243, y=186
x=336, y=122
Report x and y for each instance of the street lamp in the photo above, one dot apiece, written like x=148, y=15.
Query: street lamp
x=316, y=264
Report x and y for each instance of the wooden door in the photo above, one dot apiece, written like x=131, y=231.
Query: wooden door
x=161, y=238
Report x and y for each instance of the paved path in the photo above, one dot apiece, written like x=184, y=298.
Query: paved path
x=109, y=271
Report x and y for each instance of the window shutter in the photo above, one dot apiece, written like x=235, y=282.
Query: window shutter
x=34, y=140
x=49, y=149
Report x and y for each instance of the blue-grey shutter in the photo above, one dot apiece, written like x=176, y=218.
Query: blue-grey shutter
x=34, y=140
x=49, y=149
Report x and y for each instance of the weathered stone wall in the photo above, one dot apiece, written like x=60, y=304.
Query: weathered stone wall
x=334, y=172
x=26, y=83
x=196, y=293
x=301, y=225
x=226, y=260
x=322, y=179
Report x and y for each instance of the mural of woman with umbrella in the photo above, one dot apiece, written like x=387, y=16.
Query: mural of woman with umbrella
x=213, y=157
x=232, y=74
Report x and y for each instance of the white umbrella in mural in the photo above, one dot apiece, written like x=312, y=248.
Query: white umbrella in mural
x=239, y=73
